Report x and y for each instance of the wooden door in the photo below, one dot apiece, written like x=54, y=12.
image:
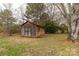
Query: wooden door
x=28, y=31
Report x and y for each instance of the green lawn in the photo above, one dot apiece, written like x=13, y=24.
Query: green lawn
x=50, y=44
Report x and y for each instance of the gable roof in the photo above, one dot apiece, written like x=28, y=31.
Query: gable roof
x=33, y=24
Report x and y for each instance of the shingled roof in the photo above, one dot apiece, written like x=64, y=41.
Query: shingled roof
x=33, y=24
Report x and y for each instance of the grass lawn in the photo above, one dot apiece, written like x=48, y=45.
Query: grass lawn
x=50, y=44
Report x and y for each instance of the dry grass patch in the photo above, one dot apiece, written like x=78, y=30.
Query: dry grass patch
x=21, y=40
x=51, y=44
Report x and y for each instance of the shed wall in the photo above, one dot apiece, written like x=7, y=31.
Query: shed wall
x=34, y=31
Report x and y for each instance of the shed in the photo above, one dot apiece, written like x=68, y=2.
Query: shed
x=31, y=29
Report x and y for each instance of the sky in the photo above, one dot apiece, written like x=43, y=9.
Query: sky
x=14, y=5
x=17, y=3
x=36, y=1
x=15, y=8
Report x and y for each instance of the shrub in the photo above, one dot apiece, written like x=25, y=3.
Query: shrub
x=63, y=28
x=15, y=29
x=50, y=27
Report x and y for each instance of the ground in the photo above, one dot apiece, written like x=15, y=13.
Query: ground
x=50, y=44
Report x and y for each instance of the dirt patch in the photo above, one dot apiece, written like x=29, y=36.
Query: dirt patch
x=2, y=50
x=20, y=39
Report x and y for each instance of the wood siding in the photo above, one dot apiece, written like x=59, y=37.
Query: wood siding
x=31, y=30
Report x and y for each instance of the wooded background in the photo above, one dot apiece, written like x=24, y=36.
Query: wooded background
x=55, y=17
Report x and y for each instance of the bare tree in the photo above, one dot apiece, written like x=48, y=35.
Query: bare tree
x=71, y=13
x=7, y=18
x=53, y=12
x=50, y=9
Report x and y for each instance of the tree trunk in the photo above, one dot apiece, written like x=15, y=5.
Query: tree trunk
x=72, y=37
x=73, y=31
